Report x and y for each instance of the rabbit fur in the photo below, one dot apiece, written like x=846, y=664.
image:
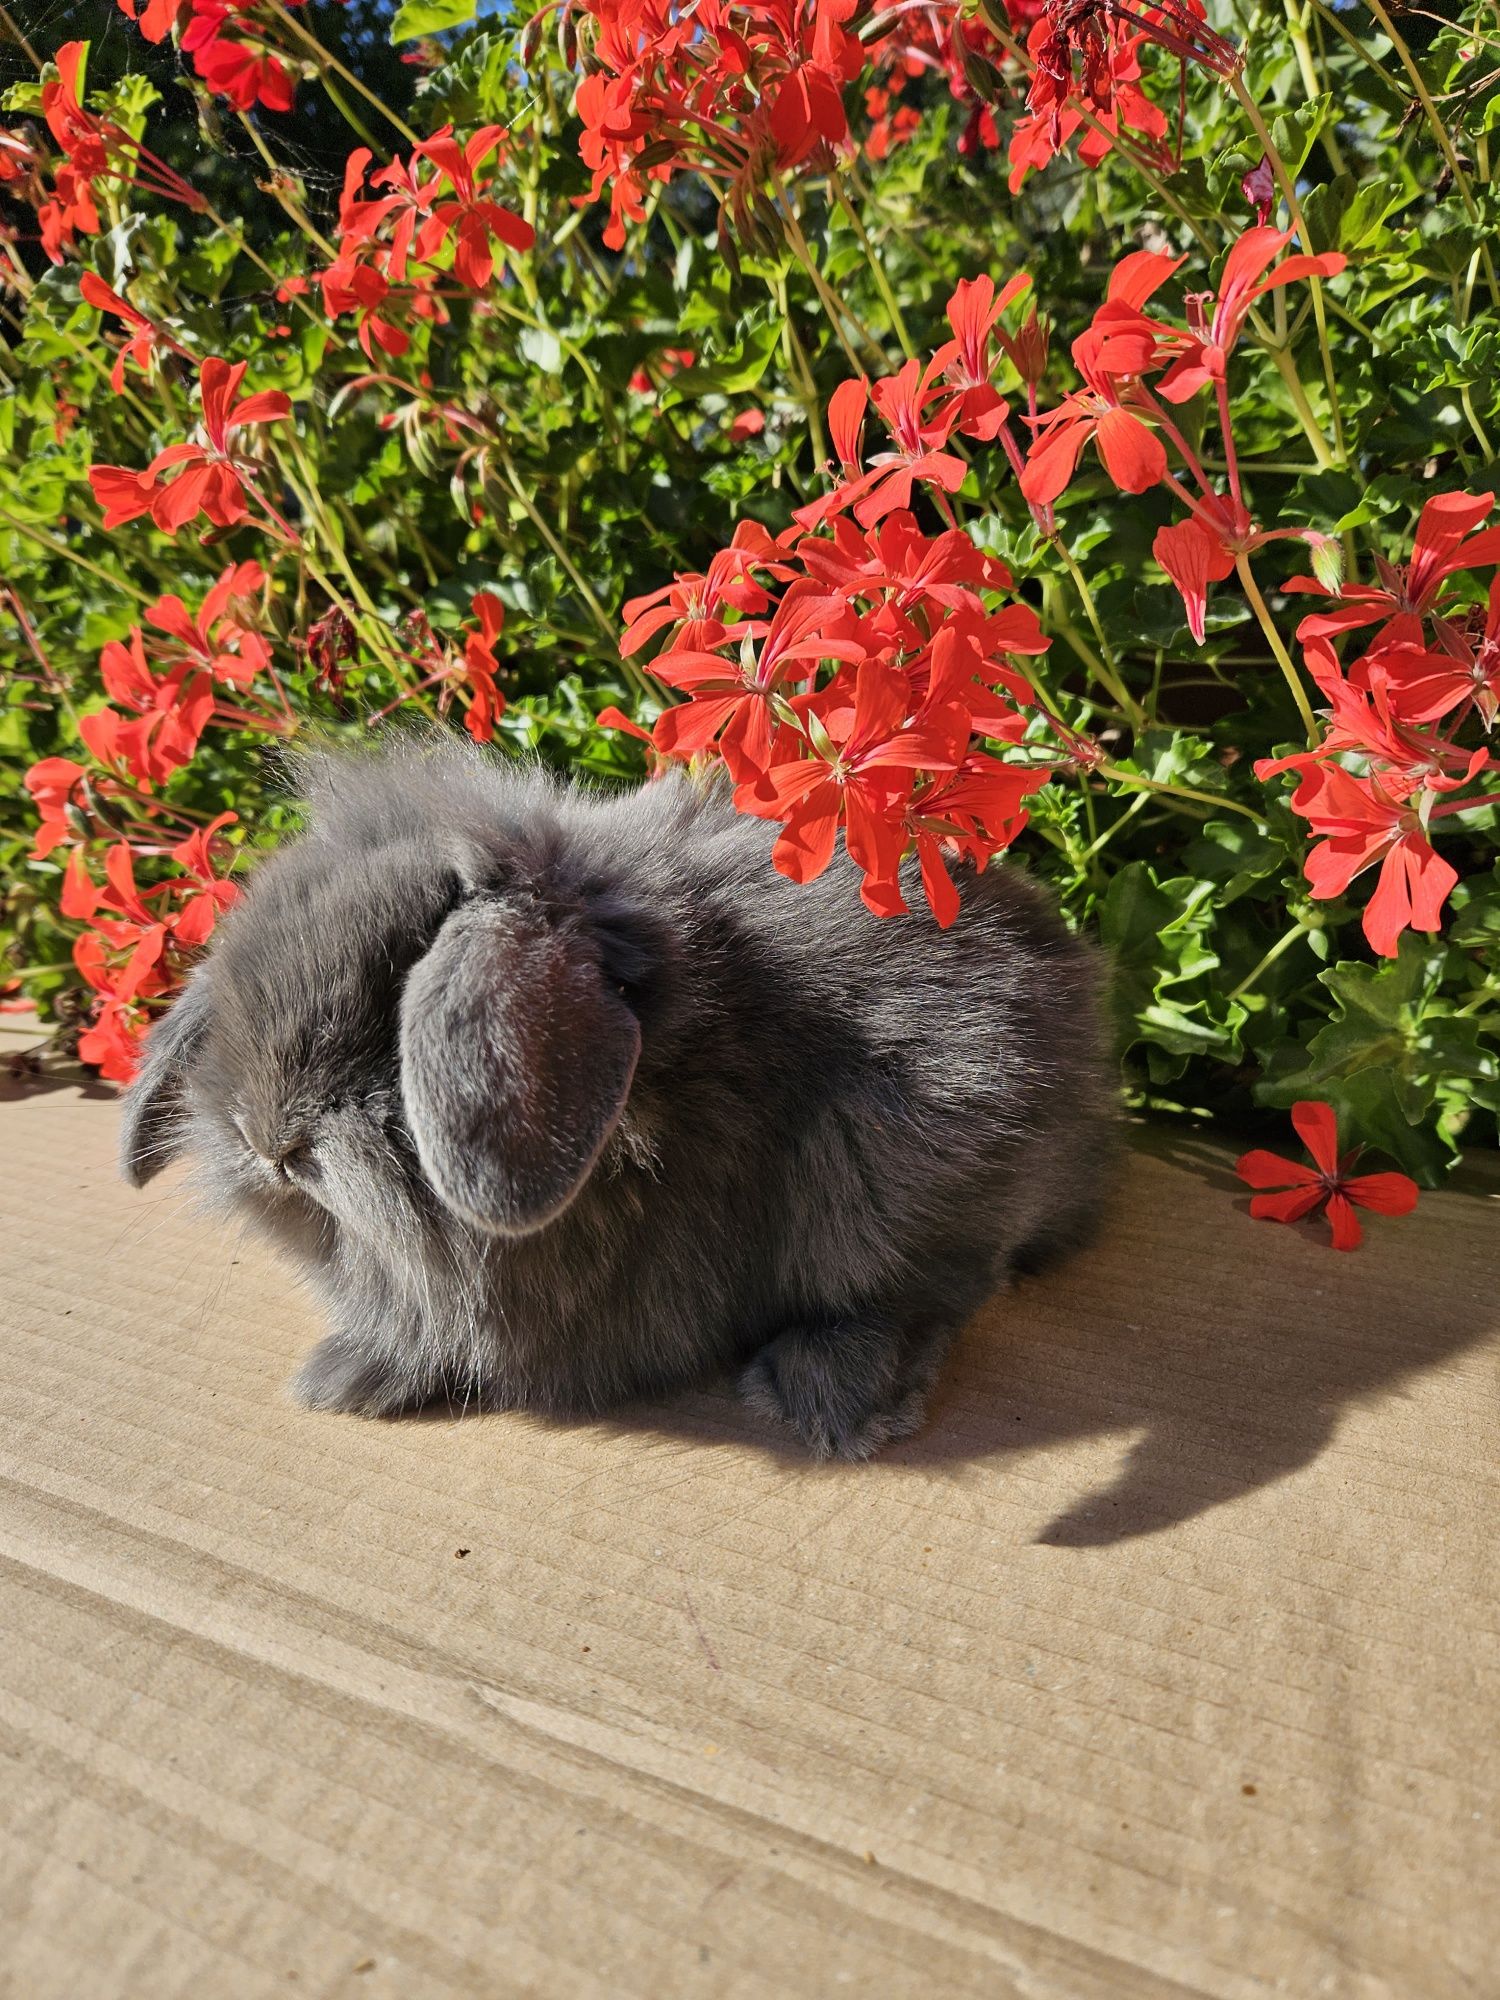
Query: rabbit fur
x=561, y=1098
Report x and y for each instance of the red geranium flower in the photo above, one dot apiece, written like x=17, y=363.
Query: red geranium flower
x=973, y=312
x=94, y=146
x=470, y=218
x=1193, y=558
x=486, y=702
x=212, y=895
x=1120, y=345
x=52, y=783
x=1247, y=277
x=918, y=435
x=247, y=72
x=72, y=212
x=210, y=476
x=1408, y=593
x=731, y=699
x=696, y=604
x=1327, y=1184
x=155, y=18
x=218, y=639
x=864, y=758
x=1424, y=686
x=143, y=332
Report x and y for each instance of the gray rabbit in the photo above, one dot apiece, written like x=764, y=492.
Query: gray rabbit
x=561, y=1098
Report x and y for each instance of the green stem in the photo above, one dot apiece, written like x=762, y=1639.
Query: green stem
x=1312, y=430
x=1474, y=424
x=1296, y=24
x=1273, y=639
x=601, y=617
x=357, y=607
x=46, y=541
x=1299, y=222
x=1096, y=846
x=801, y=373
x=349, y=115
x=1252, y=978
x=279, y=191
x=1106, y=670
x=1134, y=782
x=832, y=305
x=18, y=37
x=327, y=56
x=882, y=283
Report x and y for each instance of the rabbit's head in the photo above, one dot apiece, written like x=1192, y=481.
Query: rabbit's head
x=428, y=1007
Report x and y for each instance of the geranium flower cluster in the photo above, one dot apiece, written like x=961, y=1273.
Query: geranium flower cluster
x=137, y=943
x=1389, y=766
x=1086, y=76
x=1127, y=419
x=237, y=48
x=747, y=91
x=1387, y=763
x=857, y=673
x=737, y=90
x=175, y=674
x=405, y=228
x=164, y=680
x=210, y=474
x=64, y=191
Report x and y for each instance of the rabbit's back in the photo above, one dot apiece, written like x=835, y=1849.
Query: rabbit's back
x=857, y=1101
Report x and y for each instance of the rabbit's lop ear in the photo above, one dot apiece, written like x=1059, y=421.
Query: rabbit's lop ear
x=517, y=1054
x=151, y=1132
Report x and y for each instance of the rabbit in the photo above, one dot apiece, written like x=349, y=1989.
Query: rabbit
x=564, y=1097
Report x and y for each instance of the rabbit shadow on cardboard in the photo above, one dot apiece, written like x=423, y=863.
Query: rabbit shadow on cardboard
x=1221, y=1374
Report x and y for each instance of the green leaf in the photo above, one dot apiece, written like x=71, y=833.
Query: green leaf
x=1294, y=133
x=1236, y=854
x=729, y=377
x=1325, y=208
x=430, y=17
x=1362, y=223
x=542, y=348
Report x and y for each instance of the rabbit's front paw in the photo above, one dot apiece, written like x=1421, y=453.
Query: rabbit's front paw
x=841, y=1388
x=338, y=1375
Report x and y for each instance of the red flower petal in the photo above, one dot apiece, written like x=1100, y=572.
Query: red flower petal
x=1347, y=1234
x=1385, y=1194
x=1318, y=1128
x=1053, y=461
x=1260, y=1169
x=1288, y=1207
x=1134, y=457
x=612, y=718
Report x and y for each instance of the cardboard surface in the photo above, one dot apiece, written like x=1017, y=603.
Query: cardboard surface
x=1165, y=1662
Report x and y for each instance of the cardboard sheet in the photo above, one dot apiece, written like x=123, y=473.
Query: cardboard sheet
x=1167, y=1661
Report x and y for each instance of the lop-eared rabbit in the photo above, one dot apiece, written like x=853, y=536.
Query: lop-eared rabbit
x=562, y=1098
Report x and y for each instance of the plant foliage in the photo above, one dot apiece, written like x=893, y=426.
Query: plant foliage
x=1058, y=427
